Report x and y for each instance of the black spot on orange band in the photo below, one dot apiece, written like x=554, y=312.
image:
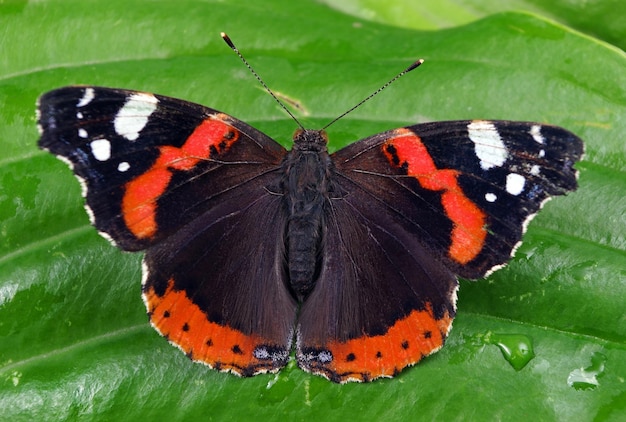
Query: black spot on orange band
x=216, y=345
x=362, y=359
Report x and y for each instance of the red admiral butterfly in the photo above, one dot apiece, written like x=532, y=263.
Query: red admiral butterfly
x=250, y=247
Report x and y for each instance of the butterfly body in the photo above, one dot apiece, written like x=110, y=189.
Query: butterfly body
x=307, y=185
x=252, y=251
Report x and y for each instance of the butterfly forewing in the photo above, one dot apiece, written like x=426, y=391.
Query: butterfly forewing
x=467, y=189
x=149, y=163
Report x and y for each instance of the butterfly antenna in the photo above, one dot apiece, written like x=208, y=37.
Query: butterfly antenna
x=392, y=80
x=230, y=43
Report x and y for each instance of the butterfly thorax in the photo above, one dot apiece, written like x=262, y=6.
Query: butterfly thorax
x=307, y=168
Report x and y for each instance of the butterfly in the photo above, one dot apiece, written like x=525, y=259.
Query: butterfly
x=252, y=250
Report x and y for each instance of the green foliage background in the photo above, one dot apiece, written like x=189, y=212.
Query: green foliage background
x=74, y=338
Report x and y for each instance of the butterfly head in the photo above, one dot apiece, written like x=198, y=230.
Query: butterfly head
x=310, y=140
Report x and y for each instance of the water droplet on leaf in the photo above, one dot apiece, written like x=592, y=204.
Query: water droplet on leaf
x=587, y=378
x=517, y=349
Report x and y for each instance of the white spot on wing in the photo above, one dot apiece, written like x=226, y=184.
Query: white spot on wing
x=325, y=356
x=535, y=132
x=79, y=115
x=133, y=116
x=82, y=133
x=84, y=188
x=534, y=170
x=488, y=145
x=123, y=166
x=87, y=97
x=261, y=353
x=491, y=197
x=515, y=183
x=101, y=149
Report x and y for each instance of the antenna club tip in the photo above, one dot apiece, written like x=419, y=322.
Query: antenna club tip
x=415, y=65
x=227, y=39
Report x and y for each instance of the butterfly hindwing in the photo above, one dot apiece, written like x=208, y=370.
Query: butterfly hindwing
x=149, y=163
x=380, y=303
x=217, y=287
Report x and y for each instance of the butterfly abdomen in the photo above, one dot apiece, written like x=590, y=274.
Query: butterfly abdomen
x=305, y=185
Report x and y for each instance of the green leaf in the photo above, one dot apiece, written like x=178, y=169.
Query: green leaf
x=600, y=18
x=74, y=338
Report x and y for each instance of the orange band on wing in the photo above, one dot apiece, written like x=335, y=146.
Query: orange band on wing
x=183, y=323
x=405, y=343
x=142, y=193
x=468, y=232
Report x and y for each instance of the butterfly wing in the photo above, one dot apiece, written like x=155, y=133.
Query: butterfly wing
x=415, y=206
x=216, y=288
x=468, y=189
x=196, y=188
x=381, y=301
x=149, y=163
